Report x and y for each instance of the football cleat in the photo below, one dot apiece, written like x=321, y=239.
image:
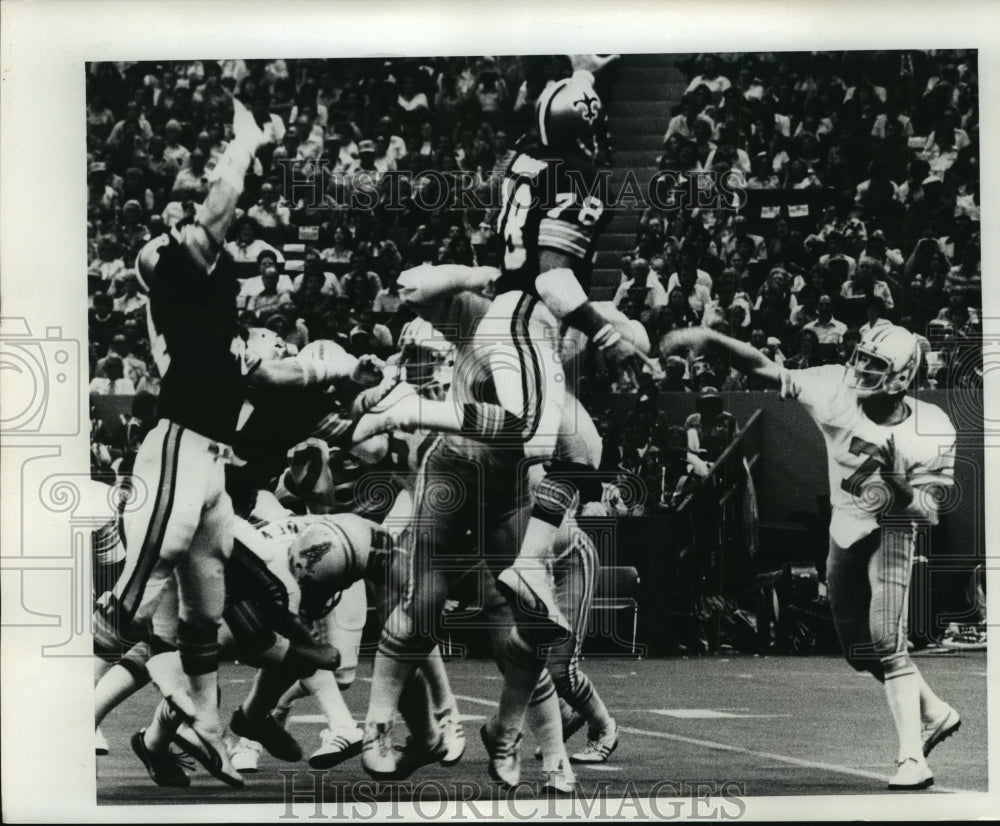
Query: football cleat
x=598, y=750
x=336, y=746
x=503, y=749
x=935, y=731
x=100, y=743
x=413, y=756
x=378, y=757
x=453, y=736
x=246, y=756
x=911, y=774
x=529, y=591
x=559, y=781
x=274, y=737
x=200, y=741
x=165, y=769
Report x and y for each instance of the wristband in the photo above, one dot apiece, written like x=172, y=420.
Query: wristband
x=593, y=325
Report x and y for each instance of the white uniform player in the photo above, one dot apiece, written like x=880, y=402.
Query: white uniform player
x=886, y=477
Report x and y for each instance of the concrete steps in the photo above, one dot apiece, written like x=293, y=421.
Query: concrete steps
x=646, y=89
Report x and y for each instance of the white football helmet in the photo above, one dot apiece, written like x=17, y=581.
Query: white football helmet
x=886, y=361
x=328, y=556
x=427, y=358
x=265, y=344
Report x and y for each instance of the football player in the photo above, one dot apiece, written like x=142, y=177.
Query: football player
x=184, y=527
x=455, y=468
x=886, y=478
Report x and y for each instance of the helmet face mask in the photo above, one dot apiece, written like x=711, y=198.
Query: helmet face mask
x=426, y=359
x=884, y=363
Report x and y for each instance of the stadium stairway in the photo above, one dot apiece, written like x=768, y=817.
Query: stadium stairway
x=645, y=91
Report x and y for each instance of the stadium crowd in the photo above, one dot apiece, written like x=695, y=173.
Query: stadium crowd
x=884, y=145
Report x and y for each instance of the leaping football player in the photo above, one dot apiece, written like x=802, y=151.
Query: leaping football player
x=886, y=478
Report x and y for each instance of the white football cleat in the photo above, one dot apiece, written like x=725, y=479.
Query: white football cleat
x=503, y=749
x=100, y=743
x=246, y=756
x=453, y=736
x=559, y=781
x=336, y=746
x=911, y=774
x=202, y=742
x=599, y=749
x=934, y=731
x=378, y=756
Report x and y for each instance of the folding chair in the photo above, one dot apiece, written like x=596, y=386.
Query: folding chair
x=617, y=590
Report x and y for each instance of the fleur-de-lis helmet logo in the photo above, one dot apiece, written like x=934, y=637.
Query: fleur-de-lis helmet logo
x=589, y=106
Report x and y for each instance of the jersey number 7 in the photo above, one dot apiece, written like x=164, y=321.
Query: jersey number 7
x=859, y=447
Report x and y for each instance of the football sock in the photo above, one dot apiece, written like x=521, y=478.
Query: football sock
x=161, y=730
x=903, y=694
x=389, y=675
x=118, y=684
x=323, y=687
x=546, y=725
x=521, y=672
x=165, y=671
x=415, y=708
x=931, y=706
x=295, y=692
x=436, y=676
x=268, y=686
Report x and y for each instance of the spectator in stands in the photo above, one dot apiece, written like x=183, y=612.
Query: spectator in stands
x=867, y=281
x=312, y=262
x=191, y=182
x=827, y=329
x=109, y=265
x=133, y=368
x=683, y=313
x=254, y=286
x=652, y=290
x=247, y=248
x=387, y=300
x=674, y=368
x=360, y=285
x=131, y=303
x=808, y=354
x=103, y=321
x=368, y=336
x=339, y=253
x=113, y=382
x=269, y=213
x=848, y=344
x=965, y=278
x=683, y=122
x=270, y=299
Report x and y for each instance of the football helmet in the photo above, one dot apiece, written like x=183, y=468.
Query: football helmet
x=265, y=344
x=427, y=358
x=569, y=114
x=886, y=361
x=326, y=557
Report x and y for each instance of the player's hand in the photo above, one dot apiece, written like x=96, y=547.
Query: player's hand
x=893, y=471
x=368, y=371
x=309, y=466
x=624, y=356
x=592, y=63
x=402, y=415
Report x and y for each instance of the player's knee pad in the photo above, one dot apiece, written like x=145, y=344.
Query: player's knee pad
x=198, y=644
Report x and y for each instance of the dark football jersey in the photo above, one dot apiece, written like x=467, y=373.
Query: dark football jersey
x=195, y=315
x=549, y=202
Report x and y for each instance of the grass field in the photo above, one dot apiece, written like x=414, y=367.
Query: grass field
x=774, y=726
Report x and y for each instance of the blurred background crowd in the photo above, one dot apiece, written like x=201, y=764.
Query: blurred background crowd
x=881, y=148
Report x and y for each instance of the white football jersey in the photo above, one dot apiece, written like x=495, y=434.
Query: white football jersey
x=854, y=444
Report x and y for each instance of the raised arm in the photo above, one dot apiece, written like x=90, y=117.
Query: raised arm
x=428, y=284
x=746, y=359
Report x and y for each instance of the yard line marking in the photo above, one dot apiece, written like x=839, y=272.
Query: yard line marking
x=319, y=719
x=767, y=755
x=707, y=713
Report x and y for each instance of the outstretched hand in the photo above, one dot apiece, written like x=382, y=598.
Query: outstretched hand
x=690, y=338
x=592, y=63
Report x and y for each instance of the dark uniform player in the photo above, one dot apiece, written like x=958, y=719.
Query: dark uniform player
x=184, y=526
